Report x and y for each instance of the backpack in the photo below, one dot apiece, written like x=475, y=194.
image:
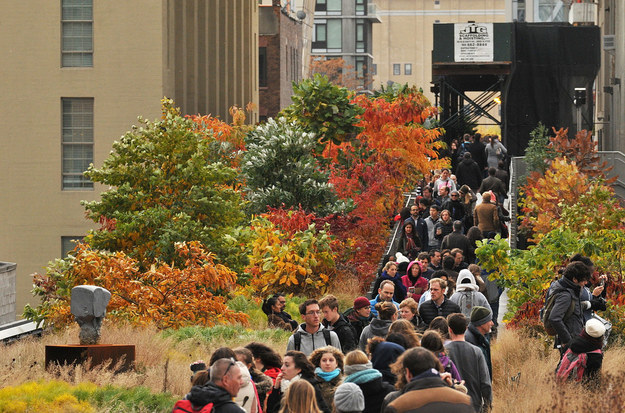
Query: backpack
x=297, y=338
x=464, y=148
x=545, y=312
x=573, y=365
x=185, y=406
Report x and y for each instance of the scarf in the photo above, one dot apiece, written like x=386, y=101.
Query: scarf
x=363, y=376
x=351, y=369
x=327, y=375
x=284, y=384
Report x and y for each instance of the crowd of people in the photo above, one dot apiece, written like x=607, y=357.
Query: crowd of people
x=422, y=342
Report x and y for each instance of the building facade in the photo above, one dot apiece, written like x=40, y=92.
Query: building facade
x=402, y=44
x=344, y=29
x=76, y=75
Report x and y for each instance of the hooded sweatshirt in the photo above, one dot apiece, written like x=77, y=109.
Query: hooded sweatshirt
x=420, y=284
x=377, y=328
x=310, y=342
x=246, y=398
x=467, y=295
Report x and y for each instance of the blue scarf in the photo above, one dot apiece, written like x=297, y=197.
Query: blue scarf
x=327, y=376
x=363, y=376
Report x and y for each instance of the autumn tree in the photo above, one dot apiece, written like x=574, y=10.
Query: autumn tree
x=340, y=73
x=167, y=184
x=167, y=295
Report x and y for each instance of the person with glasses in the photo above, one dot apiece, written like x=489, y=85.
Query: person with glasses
x=225, y=382
x=311, y=334
x=454, y=206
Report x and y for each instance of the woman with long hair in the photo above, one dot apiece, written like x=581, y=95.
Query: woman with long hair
x=328, y=362
x=406, y=329
x=495, y=151
x=295, y=366
x=444, y=226
x=300, y=398
x=266, y=360
x=409, y=243
x=433, y=341
x=474, y=234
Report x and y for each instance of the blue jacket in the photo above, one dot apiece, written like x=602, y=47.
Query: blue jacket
x=377, y=300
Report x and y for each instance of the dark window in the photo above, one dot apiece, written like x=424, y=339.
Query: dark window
x=77, y=142
x=262, y=67
x=77, y=33
x=321, y=5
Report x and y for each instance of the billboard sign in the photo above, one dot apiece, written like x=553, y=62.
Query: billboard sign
x=473, y=42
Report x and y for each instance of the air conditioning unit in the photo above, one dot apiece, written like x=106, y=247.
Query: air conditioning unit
x=609, y=42
x=582, y=13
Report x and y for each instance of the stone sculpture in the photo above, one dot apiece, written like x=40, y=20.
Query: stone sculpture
x=88, y=306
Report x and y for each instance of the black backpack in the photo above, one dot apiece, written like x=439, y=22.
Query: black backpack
x=297, y=338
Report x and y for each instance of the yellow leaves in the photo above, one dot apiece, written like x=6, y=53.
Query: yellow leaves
x=286, y=262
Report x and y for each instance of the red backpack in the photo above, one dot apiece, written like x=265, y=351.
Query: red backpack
x=185, y=406
x=573, y=365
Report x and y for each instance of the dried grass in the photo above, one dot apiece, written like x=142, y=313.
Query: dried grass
x=163, y=366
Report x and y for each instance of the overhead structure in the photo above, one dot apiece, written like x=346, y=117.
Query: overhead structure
x=529, y=70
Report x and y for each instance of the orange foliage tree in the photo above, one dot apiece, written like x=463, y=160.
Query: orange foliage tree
x=340, y=73
x=167, y=295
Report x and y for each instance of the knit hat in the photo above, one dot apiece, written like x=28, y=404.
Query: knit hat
x=594, y=328
x=361, y=302
x=480, y=315
x=349, y=398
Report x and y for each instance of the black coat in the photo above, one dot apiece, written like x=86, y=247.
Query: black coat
x=566, y=328
x=478, y=153
x=346, y=333
x=469, y=173
x=585, y=344
x=428, y=310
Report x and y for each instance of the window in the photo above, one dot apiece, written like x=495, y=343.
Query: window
x=262, y=67
x=68, y=244
x=328, y=35
x=77, y=33
x=77, y=141
x=321, y=5
x=328, y=6
x=408, y=69
x=374, y=69
x=361, y=7
x=396, y=69
x=360, y=36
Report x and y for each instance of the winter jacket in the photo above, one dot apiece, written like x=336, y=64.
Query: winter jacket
x=420, y=229
x=596, y=303
x=457, y=240
x=328, y=388
x=310, y=342
x=467, y=295
x=372, y=386
x=446, y=228
x=376, y=300
x=428, y=393
x=493, y=184
x=449, y=366
x=486, y=218
x=455, y=208
x=572, y=326
x=420, y=284
x=473, y=336
x=246, y=397
x=494, y=152
x=469, y=173
x=212, y=393
x=400, y=290
x=377, y=328
x=429, y=310
x=478, y=153
x=345, y=332
x=433, y=242
x=472, y=367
